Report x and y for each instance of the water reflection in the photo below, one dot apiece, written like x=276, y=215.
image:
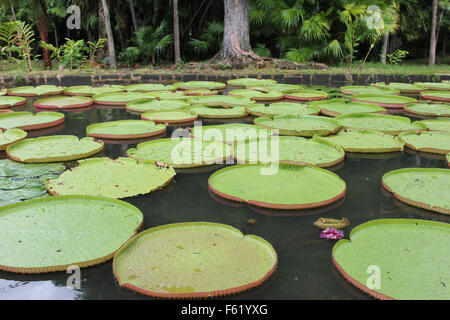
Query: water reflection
x=39, y=290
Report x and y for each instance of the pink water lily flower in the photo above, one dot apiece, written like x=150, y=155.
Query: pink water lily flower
x=332, y=234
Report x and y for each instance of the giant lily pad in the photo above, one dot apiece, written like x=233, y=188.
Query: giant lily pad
x=338, y=107
x=219, y=113
x=436, y=95
x=361, y=141
x=44, y=90
x=230, y=133
x=217, y=260
x=120, y=178
x=283, y=88
x=307, y=95
x=250, y=82
x=402, y=87
x=171, y=116
x=442, y=124
x=57, y=232
x=201, y=92
x=121, y=98
x=146, y=87
x=182, y=152
x=170, y=95
x=280, y=108
x=437, y=86
x=424, y=188
x=125, y=129
x=257, y=95
x=29, y=121
x=378, y=122
x=424, y=109
x=289, y=150
x=10, y=136
x=393, y=246
x=385, y=101
x=353, y=90
x=306, y=126
x=201, y=85
x=146, y=105
x=221, y=101
x=7, y=102
x=63, y=102
x=88, y=91
x=53, y=149
x=427, y=141
x=282, y=187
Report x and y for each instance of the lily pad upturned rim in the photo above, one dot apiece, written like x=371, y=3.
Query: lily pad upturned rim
x=314, y=95
x=269, y=96
x=366, y=98
x=19, y=101
x=145, y=87
x=194, y=295
x=353, y=90
x=74, y=156
x=201, y=92
x=403, y=87
x=278, y=206
x=130, y=105
x=435, y=95
x=424, y=124
x=199, y=100
x=410, y=108
x=411, y=202
x=190, y=116
x=199, y=85
x=46, y=103
x=80, y=90
x=58, y=115
x=244, y=82
x=18, y=132
x=162, y=130
x=426, y=149
x=322, y=105
x=434, y=86
x=357, y=284
x=98, y=98
x=226, y=116
x=81, y=264
x=315, y=111
x=55, y=90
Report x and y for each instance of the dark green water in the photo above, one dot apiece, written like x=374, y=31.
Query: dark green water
x=305, y=268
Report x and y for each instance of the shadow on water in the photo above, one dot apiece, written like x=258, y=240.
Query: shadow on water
x=305, y=269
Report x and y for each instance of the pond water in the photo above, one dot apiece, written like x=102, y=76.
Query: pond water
x=305, y=269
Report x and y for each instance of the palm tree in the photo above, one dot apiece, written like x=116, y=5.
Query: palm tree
x=432, y=57
x=176, y=31
x=109, y=34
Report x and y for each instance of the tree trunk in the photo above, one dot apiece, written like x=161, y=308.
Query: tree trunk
x=176, y=31
x=384, y=49
x=432, y=57
x=109, y=34
x=43, y=25
x=13, y=11
x=236, y=38
x=133, y=16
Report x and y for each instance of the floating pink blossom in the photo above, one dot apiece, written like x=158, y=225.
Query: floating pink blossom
x=332, y=234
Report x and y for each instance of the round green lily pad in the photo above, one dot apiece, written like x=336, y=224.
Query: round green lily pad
x=7, y=102
x=400, y=86
x=125, y=129
x=257, y=95
x=57, y=232
x=427, y=141
x=221, y=101
x=219, y=113
x=436, y=95
x=29, y=121
x=251, y=82
x=445, y=86
x=146, y=87
x=365, y=141
x=338, y=107
x=120, y=178
x=230, y=133
x=408, y=255
x=293, y=150
x=306, y=126
x=307, y=95
x=53, y=149
x=442, y=124
x=10, y=136
x=88, y=91
x=424, y=188
x=424, y=109
x=378, y=122
x=182, y=152
x=385, y=101
x=201, y=92
x=146, y=105
x=201, y=85
x=171, y=116
x=216, y=260
x=285, y=186
x=353, y=90
x=280, y=108
x=121, y=98
x=64, y=102
x=283, y=88
x=28, y=91
x=170, y=95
